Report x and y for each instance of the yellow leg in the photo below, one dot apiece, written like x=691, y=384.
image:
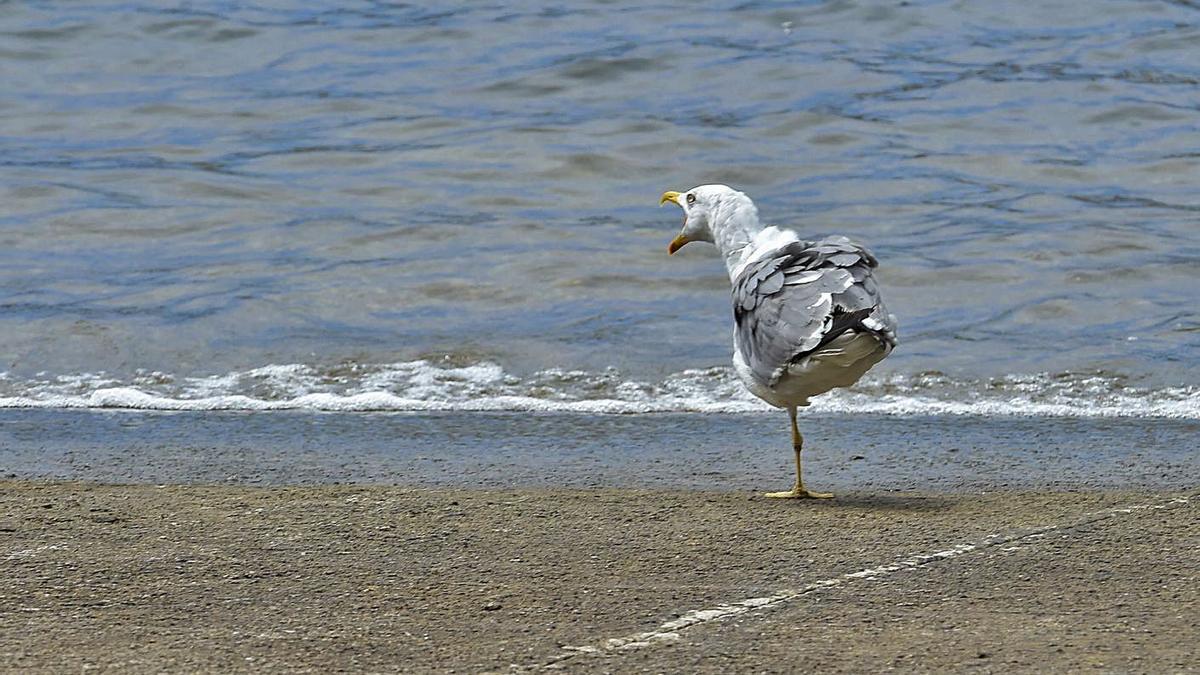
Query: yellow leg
x=799, y=491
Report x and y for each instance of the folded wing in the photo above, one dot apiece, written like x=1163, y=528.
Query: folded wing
x=794, y=299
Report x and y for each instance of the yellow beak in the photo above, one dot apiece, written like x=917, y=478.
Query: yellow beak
x=678, y=242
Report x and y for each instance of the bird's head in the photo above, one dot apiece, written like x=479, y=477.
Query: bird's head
x=706, y=210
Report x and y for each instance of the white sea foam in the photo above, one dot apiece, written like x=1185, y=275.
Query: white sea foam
x=424, y=386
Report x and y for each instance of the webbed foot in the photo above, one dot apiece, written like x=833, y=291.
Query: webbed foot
x=799, y=492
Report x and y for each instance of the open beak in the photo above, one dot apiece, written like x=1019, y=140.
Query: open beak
x=678, y=242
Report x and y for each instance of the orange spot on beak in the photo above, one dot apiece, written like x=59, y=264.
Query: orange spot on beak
x=676, y=244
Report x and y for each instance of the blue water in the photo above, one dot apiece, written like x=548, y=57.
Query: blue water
x=194, y=193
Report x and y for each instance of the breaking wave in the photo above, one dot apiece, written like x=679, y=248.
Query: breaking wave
x=416, y=386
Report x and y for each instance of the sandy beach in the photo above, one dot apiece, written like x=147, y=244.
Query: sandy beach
x=142, y=578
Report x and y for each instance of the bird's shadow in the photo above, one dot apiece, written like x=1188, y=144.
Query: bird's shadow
x=867, y=501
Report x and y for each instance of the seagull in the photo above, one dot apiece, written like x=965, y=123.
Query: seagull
x=808, y=316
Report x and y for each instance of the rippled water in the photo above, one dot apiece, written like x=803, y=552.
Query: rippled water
x=199, y=193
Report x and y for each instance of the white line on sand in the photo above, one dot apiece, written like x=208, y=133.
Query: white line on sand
x=669, y=631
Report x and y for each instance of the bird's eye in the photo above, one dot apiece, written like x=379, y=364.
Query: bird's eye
x=691, y=198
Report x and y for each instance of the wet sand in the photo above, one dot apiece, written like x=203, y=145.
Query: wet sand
x=139, y=578
x=867, y=453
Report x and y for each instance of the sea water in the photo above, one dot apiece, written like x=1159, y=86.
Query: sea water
x=377, y=207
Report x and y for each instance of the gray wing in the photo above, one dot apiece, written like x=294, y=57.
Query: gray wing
x=794, y=299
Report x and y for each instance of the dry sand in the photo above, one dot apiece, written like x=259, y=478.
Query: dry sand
x=320, y=579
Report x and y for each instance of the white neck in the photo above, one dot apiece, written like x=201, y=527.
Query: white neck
x=734, y=226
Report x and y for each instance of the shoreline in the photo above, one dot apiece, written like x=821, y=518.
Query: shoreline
x=737, y=453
